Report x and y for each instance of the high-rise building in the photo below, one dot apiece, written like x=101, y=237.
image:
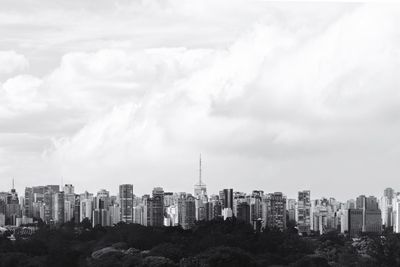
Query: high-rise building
x=243, y=212
x=291, y=209
x=186, y=210
x=28, y=202
x=372, y=217
x=58, y=207
x=13, y=208
x=303, y=212
x=386, y=207
x=276, y=210
x=366, y=217
x=48, y=198
x=227, y=212
x=126, y=202
x=155, y=208
x=69, y=204
x=86, y=209
x=352, y=222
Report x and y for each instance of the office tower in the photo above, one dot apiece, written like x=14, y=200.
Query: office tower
x=126, y=202
x=155, y=208
x=291, y=209
x=3, y=202
x=227, y=212
x=200, y=189
x=101, y=209
x=186, y=210
x=243, y=212
x=238, y=197
x=58, y=207
x=352, y=222
x=138, y=214
x=255, y=202
x=213, y=208
x=303, y=212
x=372, y=217
x=366, y=217
x=86, y=209
x=48, y=197
x=201, y=214
x=13, y=208
x=28, y=202
x=104, y=196
x=115, y=214
x=325, y=215
x=69, y=202
x=386, y=207
x=101, y=216
x=77, y=209
x=276, y=211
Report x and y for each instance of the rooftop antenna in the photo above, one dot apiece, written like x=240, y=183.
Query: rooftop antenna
x=12, y=183
x=200, y=183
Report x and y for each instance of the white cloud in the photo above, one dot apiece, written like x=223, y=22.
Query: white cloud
x=263, y=92
x=20, y=94
x=10, y=61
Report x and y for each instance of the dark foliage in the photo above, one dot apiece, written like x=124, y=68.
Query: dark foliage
x=208, y=244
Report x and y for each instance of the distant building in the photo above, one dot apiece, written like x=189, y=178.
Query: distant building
x=291, y=209
x=366, y=217
x=227, y=211
x=126, y=202
x=155, y=208
x=303, y=212
x=186, y=211
x=275, y=210
x=352, y=222
x=386, y=207
x=58, y=207
x=243, y=212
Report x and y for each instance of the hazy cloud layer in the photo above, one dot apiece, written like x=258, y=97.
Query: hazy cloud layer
x=276, y=96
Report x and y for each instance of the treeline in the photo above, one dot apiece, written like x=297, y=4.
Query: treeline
x=208, y=244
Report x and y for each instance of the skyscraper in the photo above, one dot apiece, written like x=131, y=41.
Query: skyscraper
x=243, y=212
x=155, y=208
x=126, y=202
x=69, y=204
x=372, y=217
x=186, y=211
x=276, y=210
x=303, y=212
x=386, y=206
x=58, y=207
x=227, y=212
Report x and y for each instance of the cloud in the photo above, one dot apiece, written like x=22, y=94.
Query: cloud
x=266, y=91
x=20, y=94
x=10, y=61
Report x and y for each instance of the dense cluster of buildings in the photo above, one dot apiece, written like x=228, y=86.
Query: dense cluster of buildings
x=55, y=205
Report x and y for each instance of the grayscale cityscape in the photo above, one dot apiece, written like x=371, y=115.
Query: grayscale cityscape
x=57, y=204
x=199, y=133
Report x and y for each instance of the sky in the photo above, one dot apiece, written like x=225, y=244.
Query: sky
x=277, y=96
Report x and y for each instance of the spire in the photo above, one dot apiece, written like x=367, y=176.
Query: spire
x=12, y=183
x=200, y=171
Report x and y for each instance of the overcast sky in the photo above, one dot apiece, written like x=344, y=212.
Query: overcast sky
x=276, y=96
